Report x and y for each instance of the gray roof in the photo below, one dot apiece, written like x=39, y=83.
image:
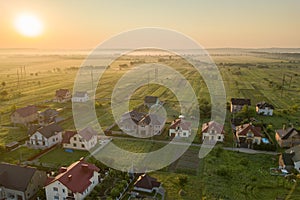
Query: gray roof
x=15, y=177
x=50, y=130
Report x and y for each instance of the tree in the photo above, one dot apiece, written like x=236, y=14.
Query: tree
x=182, y=180
x=247, y=112
x=3, y=84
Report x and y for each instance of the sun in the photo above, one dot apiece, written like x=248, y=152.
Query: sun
x=28, y=25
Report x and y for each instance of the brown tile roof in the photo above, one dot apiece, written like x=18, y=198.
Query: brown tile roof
x=26, y=111
x=67, y=136
x=87, y=133
x=286, y=133
x=77, y=176
x=61, y=92
x=240, y=101
x=245, y=128
x=15, y=177
x=147, y=182
x=263, y=104
x=212, y=125
x=143, y=119
x=185, y=125
x=50, y=130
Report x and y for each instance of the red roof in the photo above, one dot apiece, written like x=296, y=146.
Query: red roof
x=182, y=124
x=213, y=125
x=245, y=128
x=77, y=176
x=27, y=111
x=67, y=136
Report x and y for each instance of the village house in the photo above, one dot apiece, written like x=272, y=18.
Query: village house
x=20, y=182
x=247, y=135
x=180, y=128
x=236, y=104
x=212, y=132
x=146, y=183
x=62, y=95
x=73, y=182
x=151, y=100
x=264, y=108
x=45, y=137
x=288, y=137
x=85, y=139
x=142, y=124
x=80, y=97
x=47, y=117
x=290, y=159
x=24, y=116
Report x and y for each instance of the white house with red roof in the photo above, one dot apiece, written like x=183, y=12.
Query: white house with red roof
x=84, y=139
x=248, y=134
x=73, y=182
x=212, y=132
x=180, y=128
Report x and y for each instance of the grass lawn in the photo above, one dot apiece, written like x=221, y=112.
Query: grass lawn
x=20, y=154
x=60, y=157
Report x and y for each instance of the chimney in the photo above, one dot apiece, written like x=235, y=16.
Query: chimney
x=283, y=128
x=70, y=177
x=81, y=159
x=62, y=170
x=84, y=167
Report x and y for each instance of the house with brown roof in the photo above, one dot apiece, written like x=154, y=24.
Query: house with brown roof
x=290, y=159
x=288, y=137
x=146, y=183
x=73, y=182
x=80, y=96
x=84, y=139
x=142, y=124
x=264, y=108
x=25, y=115
x=151, y=100
x=62, y=95
x=20, y=182
x=212, y=132
x=45, y=137
x=180, y=128
x=47, y=117
x=248, y=134
x=236, y=104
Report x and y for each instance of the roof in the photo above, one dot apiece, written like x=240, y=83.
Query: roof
x=296, y=150
x=286, y=133
x=16, y=177
x=76, y=177
x=142, y=119
x=67, y=136
x=50, y=130
x=263, y=104
x=150, y=99
x=61, y=92
x=245, y=128
x=49, y=114
x=287, y=158
x=26, y=111
x=87, y=133
x=184, y=125
x=213, y=125
x=147, y=182
x=240, y=101
x=80, y=94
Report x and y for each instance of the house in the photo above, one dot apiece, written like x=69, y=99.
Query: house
x=80, y=97
x=62, y=95
x=142, y=124
x=85, y=139
x=20, y=182
x=151, y=100
x=212, y=132
x=24, y=115
x=73, y=182
x=236, y=104
x=180, y=128
x=248, y=134
x=45, y=137
x=288, y=137
x=290, y=159
x=145, y=183
x=47, y=117
x=264, y=108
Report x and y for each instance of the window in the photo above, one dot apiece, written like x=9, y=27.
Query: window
x=219, y=137
x=75, y=138
x=56, y=197
x=55, y=189
x=53, y=139
x=82, y=145
x=63, y=190
x=74, y=145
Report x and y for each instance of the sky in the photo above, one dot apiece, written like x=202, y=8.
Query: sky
x=212, y=23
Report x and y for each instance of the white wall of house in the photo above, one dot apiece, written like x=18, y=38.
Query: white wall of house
x=297, y=166
x=265, y=111
x=9, y=194
x=145, y=190
x=211, y=136
x=77, y=142
x=80, y=99
x=38, y=140
x=180, y=132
